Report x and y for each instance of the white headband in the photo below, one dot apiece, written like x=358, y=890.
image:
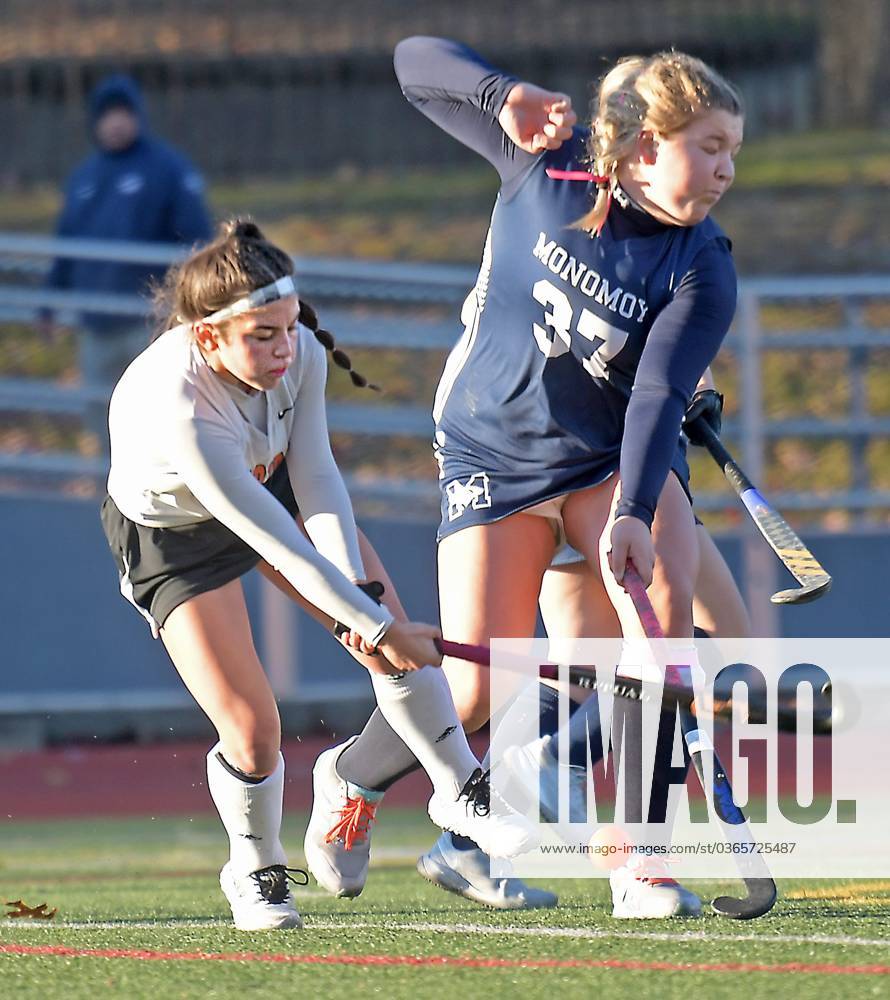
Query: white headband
x=279, y=289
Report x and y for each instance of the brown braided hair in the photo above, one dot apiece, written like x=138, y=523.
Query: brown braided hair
x=237, y=262
x=340, y=358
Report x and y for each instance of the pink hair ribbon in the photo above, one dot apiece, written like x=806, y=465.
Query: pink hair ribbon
x=575, y=175
x=585, y=175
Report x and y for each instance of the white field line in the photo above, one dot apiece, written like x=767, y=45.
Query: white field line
x=575, y=933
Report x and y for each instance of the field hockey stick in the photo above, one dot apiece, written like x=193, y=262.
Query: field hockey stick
x=759, y=884
x=795, y=556
x=635, y=689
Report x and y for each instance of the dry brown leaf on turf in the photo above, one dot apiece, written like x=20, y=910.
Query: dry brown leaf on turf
x=39, y=912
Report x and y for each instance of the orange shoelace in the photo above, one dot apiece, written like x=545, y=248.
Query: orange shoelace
x=355, y=819
x=654, y=871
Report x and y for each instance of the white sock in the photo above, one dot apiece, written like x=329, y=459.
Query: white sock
x=250, y=812
x=684, y=653
x=641, y=660
x=419, y=707
x=638, y=660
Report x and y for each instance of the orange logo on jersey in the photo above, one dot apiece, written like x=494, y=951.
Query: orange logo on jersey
x=262, y=474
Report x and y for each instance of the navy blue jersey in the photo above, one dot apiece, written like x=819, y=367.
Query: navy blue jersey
x=581, y=353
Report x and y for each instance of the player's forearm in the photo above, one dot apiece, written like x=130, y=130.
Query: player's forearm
x=331, y=526
x=211, y=469
x=270, y=532
x=455, y=88
x=652, y=428
x=316, y=480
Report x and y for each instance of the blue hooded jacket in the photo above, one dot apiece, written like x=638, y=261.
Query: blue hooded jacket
x=147, y=192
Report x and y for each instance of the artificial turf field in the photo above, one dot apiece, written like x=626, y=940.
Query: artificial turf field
x=140, y=914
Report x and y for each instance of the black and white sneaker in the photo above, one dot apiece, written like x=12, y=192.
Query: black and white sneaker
x=261, y=901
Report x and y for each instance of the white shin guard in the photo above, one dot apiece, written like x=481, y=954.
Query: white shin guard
x=250, y=813
x=419, y=707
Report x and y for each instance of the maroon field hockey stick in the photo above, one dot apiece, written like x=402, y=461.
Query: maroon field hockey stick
x=760, y=887
x=759, y=884
x=636, y=690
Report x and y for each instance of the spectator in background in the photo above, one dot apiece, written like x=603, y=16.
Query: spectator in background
x=133, y=187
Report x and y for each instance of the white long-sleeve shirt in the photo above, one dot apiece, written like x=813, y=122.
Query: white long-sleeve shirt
x=187, y=446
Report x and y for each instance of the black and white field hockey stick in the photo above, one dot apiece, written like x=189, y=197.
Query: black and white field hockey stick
x=760, y=885
x=795, y=556
x=636, y=690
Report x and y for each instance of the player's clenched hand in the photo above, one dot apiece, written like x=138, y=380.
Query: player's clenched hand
x=352, y=640
x=411, y=645
x=537, y=119
x=631, y=540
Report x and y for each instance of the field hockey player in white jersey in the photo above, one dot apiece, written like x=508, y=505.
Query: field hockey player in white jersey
x=221, y=462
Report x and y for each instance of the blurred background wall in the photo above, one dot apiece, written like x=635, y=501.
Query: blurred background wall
x=208, y=68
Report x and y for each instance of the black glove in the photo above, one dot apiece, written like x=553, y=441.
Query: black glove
x=374, y=589
x=706, y=407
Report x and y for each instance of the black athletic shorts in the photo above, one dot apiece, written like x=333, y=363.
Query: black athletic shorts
x=161, y=568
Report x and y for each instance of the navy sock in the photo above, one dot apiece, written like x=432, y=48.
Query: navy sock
x=463, y=843
x=584, y=732
x=548, y=710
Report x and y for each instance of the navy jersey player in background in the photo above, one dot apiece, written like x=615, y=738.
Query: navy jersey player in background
x=604, y=293
x=134, y=186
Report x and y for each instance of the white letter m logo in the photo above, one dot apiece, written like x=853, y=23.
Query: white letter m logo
x=474, y=493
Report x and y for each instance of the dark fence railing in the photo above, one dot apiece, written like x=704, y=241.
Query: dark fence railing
x=313, y=85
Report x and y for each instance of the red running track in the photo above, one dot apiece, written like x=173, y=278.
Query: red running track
x=445, y=961
x=166, y=779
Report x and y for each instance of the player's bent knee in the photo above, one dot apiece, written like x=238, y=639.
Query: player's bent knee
x=672, y=597
x=676, y=616
x=675, y=581
x=253, y=750
x=256, y=762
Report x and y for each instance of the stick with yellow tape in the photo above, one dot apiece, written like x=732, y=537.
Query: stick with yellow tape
x=795, y=556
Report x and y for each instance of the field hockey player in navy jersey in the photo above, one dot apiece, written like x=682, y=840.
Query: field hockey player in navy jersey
x=604, y=293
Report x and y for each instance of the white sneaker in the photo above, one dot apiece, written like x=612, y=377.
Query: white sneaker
x=534, y=768
x=467, y=873
x=261, y=901
x=500, y=832
x=338, y=839
x=643, y=890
